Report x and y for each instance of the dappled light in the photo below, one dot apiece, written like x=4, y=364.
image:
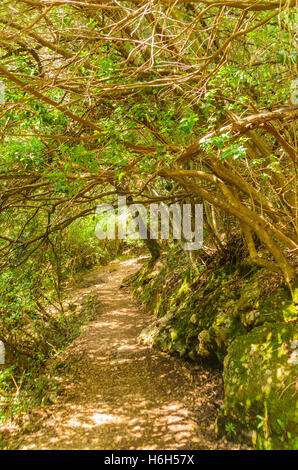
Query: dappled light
x=121, y=395
x=148, y=214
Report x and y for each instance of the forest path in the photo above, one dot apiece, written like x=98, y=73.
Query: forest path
x=124, y=395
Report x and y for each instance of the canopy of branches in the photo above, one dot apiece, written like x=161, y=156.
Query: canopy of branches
x=177, y=101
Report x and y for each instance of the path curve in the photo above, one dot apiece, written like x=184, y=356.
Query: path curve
x=125, y=395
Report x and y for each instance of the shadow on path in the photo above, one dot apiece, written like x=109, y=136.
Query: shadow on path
x=124, y=395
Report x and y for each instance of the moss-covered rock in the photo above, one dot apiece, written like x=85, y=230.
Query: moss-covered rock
x=200, y=314
x=240, y=319
x=260, y=372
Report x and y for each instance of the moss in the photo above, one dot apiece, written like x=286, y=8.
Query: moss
x=207, y=311
x=259, y=377
x=242, y=320
x=279, y=307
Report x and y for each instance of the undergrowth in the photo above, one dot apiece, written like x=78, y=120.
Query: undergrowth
x=36, y=322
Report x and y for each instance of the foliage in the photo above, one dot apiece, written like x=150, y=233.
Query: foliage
x=35, y=322
x=188, y=102
x=205, y=93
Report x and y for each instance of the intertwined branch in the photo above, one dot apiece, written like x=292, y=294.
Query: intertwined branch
x=93, y=61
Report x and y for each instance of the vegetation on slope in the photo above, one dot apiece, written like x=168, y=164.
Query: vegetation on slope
x=236, y=317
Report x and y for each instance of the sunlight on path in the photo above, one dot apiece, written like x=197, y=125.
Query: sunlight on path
x=124, y=395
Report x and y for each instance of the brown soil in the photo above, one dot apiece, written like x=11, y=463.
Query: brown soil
x=119, y=394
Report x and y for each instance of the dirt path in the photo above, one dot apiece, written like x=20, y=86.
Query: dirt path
x=125, y=395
